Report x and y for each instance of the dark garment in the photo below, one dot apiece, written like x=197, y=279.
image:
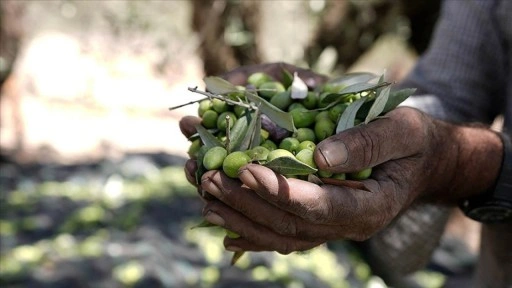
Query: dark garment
x=464, y=76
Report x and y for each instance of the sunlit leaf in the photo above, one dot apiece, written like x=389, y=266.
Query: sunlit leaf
x=289, y=166
x=299, y=88
x=378, y=105
x=397, y=97
x=353, y=89
x=281, y=118
x=203, y=224
x=352, y=78
x=218, y=85
x=207, y=137
x=349, y=115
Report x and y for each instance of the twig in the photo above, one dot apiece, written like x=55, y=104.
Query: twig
x=223, y=98
x=228, y=134
x=189, y=103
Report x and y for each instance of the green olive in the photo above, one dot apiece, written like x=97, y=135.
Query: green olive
x=307, y=145
x=279, y=153
x=324, y=128
x=361, y=175
x=306, y=156
x=281, y=100
x=289, y=143
x=233, y=162
x=304, y=134
x=221, y=121
x=204, y=106
x=214, y=158
x=303, y=117
x=310, y=101
x=269, y=89
x=210, y=119
x=258, y=78
x=219, y=105
x=269, y=144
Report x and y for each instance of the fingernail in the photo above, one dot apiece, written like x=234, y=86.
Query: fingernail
x=248, y=178
x=234, y=249
x=212, y=188
x=334, y=155
x=214, y=218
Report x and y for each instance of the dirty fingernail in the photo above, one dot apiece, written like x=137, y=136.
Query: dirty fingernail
x=214, y=218
x=212, y=188
x=234, y=249
x=334, y=155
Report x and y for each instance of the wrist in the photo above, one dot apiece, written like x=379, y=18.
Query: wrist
x=472, y=161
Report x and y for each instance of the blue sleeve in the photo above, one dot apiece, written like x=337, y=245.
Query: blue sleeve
x=462, y=75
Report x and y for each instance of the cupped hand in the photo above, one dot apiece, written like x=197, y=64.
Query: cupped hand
x=274, y=213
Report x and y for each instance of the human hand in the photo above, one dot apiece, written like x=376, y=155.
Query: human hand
x=413, y=155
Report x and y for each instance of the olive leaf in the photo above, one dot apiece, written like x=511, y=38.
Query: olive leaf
x=256, y=133
x=289, y=166
x=236, y=256
x=378, y=105
x=281, y=118
x=207, y=137
x=299, y=88
x=349, y=115
x=252, y=135
x=203, y=224
x=218, y=85
x=200, y=168
x=353, y=89
x=287, y=78
x=352, y=78
x=397, y=97
x=239, y=131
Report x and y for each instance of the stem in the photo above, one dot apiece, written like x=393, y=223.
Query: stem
x=228, y=134
x=191, y=102
x=223, y=98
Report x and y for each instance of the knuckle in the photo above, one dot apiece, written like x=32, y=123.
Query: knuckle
x=287, y=225
x=368, y=146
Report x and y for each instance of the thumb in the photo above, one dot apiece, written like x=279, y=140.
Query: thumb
x=401, y=133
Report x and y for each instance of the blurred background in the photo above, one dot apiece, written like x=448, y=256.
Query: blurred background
x=93, y=192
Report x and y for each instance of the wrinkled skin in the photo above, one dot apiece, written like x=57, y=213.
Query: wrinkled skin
x=415, y=158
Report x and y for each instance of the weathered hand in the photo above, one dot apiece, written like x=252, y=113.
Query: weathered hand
x=413, y=157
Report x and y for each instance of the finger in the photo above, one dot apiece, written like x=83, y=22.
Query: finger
x=356, y=213
x=190, y=171
x=246, y=201
x=308, y=200
x=292, y=245
x=257, y=237
x=401, y=134
x=187, y=125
